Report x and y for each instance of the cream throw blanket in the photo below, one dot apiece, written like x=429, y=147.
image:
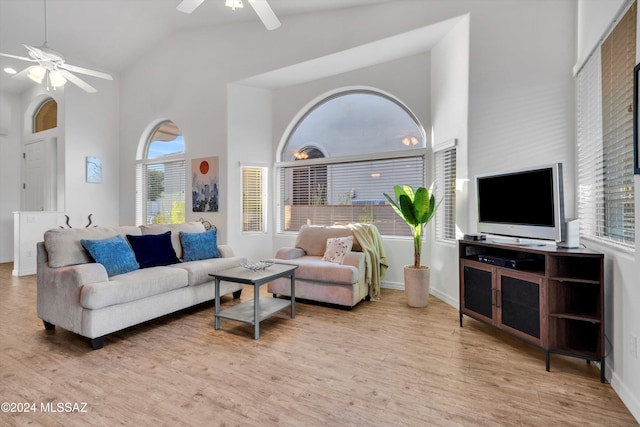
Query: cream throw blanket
x=369, y=239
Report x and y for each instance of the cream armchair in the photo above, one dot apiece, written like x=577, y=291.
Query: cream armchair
x=341, y=284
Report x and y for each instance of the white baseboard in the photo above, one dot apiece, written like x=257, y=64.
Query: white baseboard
x=392, y=285
x=628, y=397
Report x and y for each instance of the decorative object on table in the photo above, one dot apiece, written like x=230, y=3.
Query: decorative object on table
x=258, y=266
x=205, y=184
x=417, y=209
x=94, y=170
x=86, y=226
x=207, y=225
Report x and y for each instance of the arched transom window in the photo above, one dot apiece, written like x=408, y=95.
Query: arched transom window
x=160, y=177
x=342, y=155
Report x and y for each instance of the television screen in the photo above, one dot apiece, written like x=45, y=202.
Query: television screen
x=526, y=203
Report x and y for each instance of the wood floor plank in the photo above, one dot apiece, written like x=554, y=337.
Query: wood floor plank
x=380, y=364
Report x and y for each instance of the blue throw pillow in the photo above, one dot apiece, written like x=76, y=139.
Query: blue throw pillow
x=113, y=253
x=153, y=249
x=197, y=246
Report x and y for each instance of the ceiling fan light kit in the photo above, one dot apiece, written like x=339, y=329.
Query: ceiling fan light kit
x=261, y=7
x=51, y=67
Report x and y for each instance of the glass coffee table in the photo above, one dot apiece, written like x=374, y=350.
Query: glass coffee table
x=258, y=309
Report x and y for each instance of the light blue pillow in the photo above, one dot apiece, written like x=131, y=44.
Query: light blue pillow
x=113, y=253
x=197, y=246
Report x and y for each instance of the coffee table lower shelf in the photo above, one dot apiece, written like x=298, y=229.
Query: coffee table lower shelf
x=244, y=312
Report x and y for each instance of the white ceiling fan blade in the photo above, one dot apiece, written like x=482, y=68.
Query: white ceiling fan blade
x=86, y=71
x=188, y=6
x=22, y=74
x=77, y=81
x=23, y=58
x=265, y=13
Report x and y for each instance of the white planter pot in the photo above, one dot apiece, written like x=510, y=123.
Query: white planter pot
x=416, y=285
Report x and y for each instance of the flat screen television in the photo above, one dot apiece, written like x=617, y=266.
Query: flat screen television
x=526, y=203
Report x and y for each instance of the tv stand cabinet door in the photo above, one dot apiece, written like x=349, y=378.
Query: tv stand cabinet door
x=520, y=305
x=477, y=291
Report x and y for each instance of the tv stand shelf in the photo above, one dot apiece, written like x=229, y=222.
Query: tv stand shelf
x=550, y=297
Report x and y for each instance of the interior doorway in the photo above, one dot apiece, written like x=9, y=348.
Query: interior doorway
x=39, y=175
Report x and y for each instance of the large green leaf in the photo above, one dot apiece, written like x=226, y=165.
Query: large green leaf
x=408, y=210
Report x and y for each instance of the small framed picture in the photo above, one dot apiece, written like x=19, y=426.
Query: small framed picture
x=94, y=170
x=636, y=105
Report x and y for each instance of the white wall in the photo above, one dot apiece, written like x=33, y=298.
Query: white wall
x=248, y=105
x=91, y=129
x=10, y=146
x=450, y=114
x=622, y=267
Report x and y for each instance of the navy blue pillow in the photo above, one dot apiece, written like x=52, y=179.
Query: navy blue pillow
x=153, y=249
x=197, y=246
x=113, y=253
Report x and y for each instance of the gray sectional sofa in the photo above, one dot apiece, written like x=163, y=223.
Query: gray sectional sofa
x=76, y=293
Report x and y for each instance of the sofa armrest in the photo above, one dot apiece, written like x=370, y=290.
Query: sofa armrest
x=226, y=251
x=290, y=253
x=355, y=259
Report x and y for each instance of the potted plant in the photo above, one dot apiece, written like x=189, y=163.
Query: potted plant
x=417, y=208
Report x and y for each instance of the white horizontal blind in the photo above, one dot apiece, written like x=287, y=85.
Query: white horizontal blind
x=346, y=192
x=589, y=138
x=604, y=99
x=445, y=190
x=160, y=188
x=253, y=199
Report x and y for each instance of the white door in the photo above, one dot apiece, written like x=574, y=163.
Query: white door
x=39, y=175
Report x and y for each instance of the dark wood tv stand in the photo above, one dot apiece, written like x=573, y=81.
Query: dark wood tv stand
x=550, y=297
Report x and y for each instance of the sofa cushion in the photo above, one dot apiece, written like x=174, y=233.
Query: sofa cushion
x=132, y=286
x=199, y=270
x=337, y=248
x=314, y=268
x=198, y=246
x=190, y=227
x=313, y=238
x=64, y=247
x=114, y=253
x=153, y=250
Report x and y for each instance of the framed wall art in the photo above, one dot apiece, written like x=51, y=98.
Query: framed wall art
x=94, y=170
x=205, y=185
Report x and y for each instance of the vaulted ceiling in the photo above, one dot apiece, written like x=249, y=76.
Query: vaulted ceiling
x=107, y=35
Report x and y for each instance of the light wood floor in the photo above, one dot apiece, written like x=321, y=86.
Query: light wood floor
x=381, y=364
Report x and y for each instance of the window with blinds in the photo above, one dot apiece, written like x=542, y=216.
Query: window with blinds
x=344, y=153
x=254, y=199
x=160, y=178
x=445, y=191
x=343, y=191
x=604, y=119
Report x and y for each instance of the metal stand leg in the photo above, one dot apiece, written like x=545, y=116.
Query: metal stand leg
x=461, y=319
x=217, y=309
x=256, y=311
x=293, y=295
x=548, y=361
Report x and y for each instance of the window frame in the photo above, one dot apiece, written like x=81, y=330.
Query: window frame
x=420, y=153
x=445, y=157
x=142, y=164
x=263, y=198
x=593, y=155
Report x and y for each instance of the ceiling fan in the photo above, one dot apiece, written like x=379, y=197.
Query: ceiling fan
x=261, y=7
x=51, y=66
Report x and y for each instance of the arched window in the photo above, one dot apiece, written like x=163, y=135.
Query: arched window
x=160, y=177
x=342, y=155
x=46, y=116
